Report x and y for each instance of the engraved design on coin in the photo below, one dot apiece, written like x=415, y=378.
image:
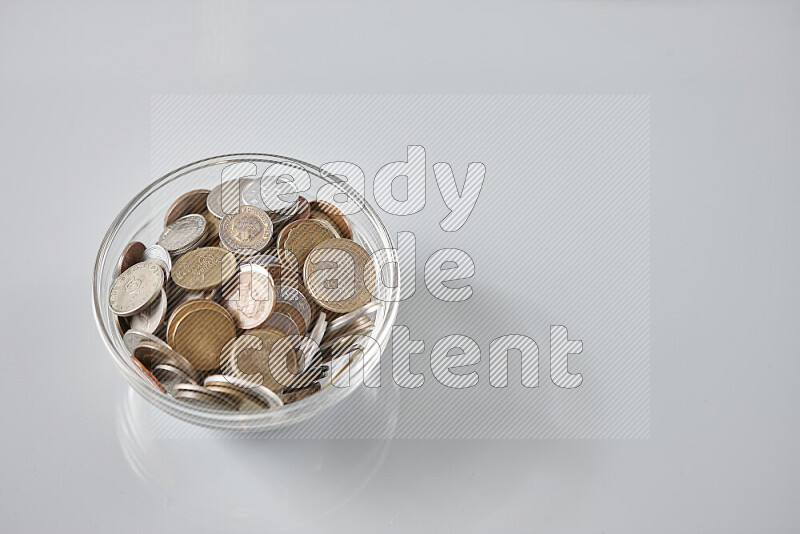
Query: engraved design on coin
x=136, y=288
x=251, y=299
x=182, y=234
x=247, y=231
x=340, y=275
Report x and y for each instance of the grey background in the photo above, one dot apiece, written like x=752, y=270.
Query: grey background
x=75, y=138
x=559, y=235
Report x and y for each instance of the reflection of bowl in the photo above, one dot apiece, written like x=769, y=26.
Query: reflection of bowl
x=142, y=220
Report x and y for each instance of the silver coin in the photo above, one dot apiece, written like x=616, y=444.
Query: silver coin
x=171, y=376
x=149, y=319
x=272, y=194
x=227, y=196
x=365, y=310
x=282, y=323
x=202, y=397
x=309, y=345
x=132, y=337
x=294, y=298
x=183, y=234
x=158, y=254
x=262, y=395
x=136, y=289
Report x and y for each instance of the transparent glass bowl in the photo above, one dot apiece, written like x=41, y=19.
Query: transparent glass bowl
x=143, y=220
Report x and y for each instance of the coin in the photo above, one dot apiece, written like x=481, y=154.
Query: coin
x=212, y=225
x=264, y=353
x=191, y=202
x=203, y=397
x=339, y=275
x=332, y=213
x=131, y=254
x=282, y=323
x=300, y=237
x=297, y=317
x=182, y=310
x=361, y=324
x=277, y=197
x=366, y=310
x=146, y=372
x=136, y=288
x=227, y=196
x=247, y=231
x=149, y=319
x=183, y=234
x=201, y=333
x=152, y=354
x=251, y=298
x=295, y=298
x=295, y=395
x=204, y=268
x=252, y=397
x=131, y=338
x=170, y=376
x=158, y=254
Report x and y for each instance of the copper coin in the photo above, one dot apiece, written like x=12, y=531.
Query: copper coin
x=146, y=372
x=191, y=202
x=334, y=215
x=131, y=254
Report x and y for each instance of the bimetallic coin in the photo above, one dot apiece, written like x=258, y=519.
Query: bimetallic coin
x=152, y=354
x=203, y=398
x=158, y=254
x=149, y=319
x=171, y=376
x=204, y=268
x=262, y=356
x=295, y=395
x=200, y=334
x=132, y=338
x=146, y=372
x=251, y=298
x=339, y=275
x=136, y=288
x=319, y=208
x=252, y=397
x=247, y=231
x=131, y=255
x=191, y=202
x=227, y=196
x=300, y=237
x=183, y=234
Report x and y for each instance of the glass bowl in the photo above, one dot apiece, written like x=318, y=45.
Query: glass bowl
x=143, y=220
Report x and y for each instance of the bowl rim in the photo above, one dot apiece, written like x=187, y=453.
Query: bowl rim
x=286, y=415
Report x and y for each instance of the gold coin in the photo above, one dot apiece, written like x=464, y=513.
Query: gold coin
x=213, y=227
x=339, y=275
x=318, y=208
x=180, y=312
x=264, y=351
x=203, y=268
x=300, y=237
x=246, y=231
x=201, y=333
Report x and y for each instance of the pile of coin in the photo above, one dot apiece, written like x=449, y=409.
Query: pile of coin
x=241, y=307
